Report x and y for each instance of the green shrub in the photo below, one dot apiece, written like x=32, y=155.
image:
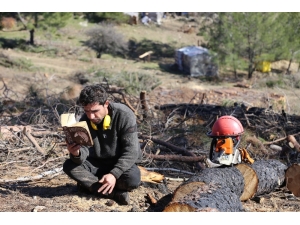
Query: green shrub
x=105, y=39
x=112, y=17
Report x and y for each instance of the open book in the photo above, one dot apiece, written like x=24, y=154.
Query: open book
x=77, y=132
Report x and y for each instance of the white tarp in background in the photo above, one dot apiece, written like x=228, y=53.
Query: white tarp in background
x=156, y=17
x=196, y=61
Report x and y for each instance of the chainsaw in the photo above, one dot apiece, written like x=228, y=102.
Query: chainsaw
x=224, y=150
x=225, y=153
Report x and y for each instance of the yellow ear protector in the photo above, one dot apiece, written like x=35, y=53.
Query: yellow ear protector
x=94, y=126
x=106, y=123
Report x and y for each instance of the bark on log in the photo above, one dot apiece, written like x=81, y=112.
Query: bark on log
x=199, y=197
x=223, y=189
x=216, y=188
x=292, y=178
x=271, y=175
x=226, y=177
x=262, y=177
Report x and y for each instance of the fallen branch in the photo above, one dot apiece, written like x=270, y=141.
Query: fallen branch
x=174, y=148
x=49, y=160
x=176, y=179
x=178, y=158
x=33, y=141
x=280, y=139
x=125, y=100
x=152, y=199
x=294, y=142
x=171, y=169
x=54, y=172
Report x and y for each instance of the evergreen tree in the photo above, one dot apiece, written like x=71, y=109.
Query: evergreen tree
x=291, y=22
x=43, y=20
x=246, y=37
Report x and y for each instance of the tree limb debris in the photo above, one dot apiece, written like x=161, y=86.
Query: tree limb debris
x=33, y=141
x=295, y=143
x=178, y=158
x=174, y=148
x=54, y=172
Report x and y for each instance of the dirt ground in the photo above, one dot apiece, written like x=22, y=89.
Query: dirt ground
x=57, y=193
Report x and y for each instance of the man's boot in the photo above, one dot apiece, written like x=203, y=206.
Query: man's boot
x=82, y=189
x=122, y=197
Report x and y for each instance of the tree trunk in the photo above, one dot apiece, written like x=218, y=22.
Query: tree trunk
x=144, y=104
x=98, y=55
x=223, y=189
x=201, y=197
x=216, y=189
x=31, y=41
x=289, y=66
x=271, y=175
x=250, y=71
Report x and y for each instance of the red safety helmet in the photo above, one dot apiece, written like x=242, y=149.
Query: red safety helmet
x=226, y=126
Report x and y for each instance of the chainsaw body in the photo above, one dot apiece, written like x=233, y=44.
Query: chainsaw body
x=224, y=151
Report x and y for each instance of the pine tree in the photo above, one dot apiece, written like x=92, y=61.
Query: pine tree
x=246, y=37
x=43, y=20
x=291, y=22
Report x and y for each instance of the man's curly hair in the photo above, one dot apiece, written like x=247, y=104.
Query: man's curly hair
x=92, y=94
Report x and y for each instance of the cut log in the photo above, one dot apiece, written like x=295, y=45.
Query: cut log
x=262, y=177
x=250, y=181
x=223, y=189
x=292, y=178
x=271, y=175
x=226, y=177
x=215, y=189
x=203, y=197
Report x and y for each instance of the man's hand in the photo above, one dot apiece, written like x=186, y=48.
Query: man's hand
x=108, y=183
x=73, y=149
